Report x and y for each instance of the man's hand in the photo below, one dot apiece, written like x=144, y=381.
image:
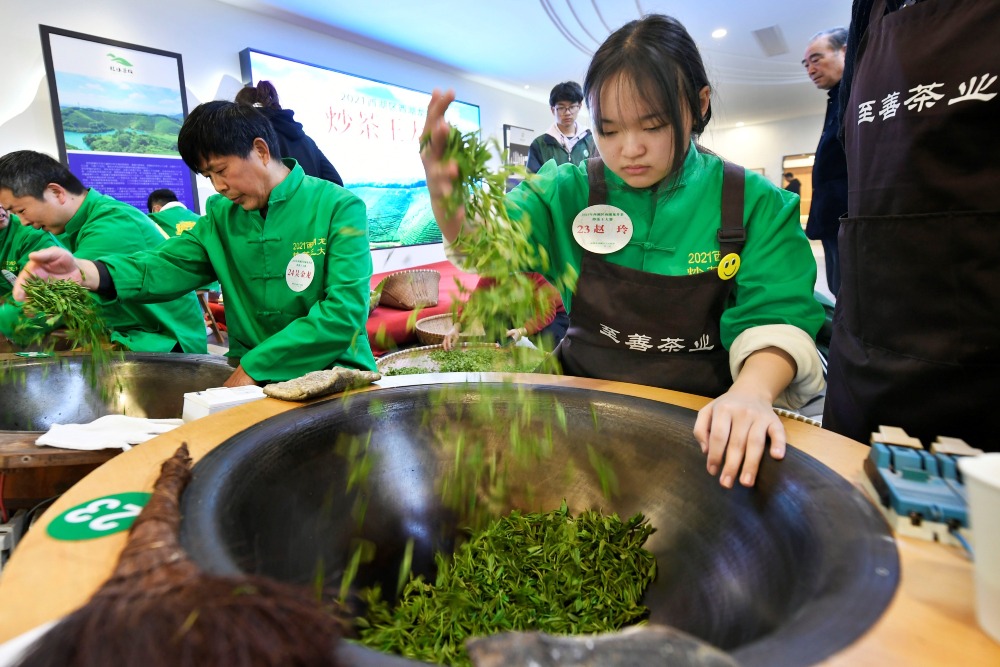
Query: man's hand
x=49, y=264
x=239, y=378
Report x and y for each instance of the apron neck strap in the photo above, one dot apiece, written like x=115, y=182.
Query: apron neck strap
x=877, y=12
x=595, y=179
x=732, y=235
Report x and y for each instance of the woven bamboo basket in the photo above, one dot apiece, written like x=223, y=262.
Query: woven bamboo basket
x=420, y=358
x=432, y=330
x=410, y=289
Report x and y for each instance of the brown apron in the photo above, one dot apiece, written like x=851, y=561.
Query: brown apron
x=662, y=331
x=916, y=339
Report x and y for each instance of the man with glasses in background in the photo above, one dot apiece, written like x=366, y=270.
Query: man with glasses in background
x=565, y=141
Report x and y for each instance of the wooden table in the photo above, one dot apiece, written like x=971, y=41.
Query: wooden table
x=18, y=450
x=930, y=621
x=33, y=474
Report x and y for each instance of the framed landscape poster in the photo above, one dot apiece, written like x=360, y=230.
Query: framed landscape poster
x=117, y=110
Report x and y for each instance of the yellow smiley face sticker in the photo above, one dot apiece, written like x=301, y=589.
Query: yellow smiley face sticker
x=729, y=265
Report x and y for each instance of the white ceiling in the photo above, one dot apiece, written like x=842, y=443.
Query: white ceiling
x=520, y=45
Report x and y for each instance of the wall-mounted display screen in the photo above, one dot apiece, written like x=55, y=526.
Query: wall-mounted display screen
x=370, y=131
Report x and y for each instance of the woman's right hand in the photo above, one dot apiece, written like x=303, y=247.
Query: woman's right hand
x=441, y=175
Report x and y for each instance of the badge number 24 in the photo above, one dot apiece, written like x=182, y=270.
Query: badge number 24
x=98, y=517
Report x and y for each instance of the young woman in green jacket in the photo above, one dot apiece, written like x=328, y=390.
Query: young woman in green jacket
x=694, y=274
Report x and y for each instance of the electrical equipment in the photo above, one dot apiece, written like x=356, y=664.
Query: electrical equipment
x=920, y=492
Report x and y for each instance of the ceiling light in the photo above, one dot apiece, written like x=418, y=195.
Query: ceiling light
x=719, y=33
x=740, y=124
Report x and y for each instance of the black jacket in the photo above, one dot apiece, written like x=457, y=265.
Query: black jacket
x=829, y=176
x=293, y=142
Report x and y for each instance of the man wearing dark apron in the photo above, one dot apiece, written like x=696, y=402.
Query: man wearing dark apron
x=626, y=299
x=916, y=339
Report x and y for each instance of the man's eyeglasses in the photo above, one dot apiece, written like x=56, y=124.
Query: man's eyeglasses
x=572, y=108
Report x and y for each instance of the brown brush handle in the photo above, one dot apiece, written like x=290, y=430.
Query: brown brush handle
x=153, y=543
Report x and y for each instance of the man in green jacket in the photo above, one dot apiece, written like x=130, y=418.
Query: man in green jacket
x=291, y=251
x=174, y=218
x=169, y=214
x=17, y=241
x=45, y=194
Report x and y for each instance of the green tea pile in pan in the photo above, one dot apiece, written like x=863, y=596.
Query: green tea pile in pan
x=549, y=572
x=476, y=360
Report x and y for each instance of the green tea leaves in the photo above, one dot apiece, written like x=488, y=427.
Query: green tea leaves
x=548, y=572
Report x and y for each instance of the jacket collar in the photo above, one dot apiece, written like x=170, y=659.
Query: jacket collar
x=82, y=214
x=288, y=185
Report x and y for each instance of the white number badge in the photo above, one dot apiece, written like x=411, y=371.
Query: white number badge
x=300, y=272
x=602, y=229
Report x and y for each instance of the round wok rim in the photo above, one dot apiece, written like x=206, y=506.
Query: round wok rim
x=838, y=618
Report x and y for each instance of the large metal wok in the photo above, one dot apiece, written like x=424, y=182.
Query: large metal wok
x=40, y=391
x=786, y=573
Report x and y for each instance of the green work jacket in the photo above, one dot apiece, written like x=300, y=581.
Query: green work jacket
x=296, y=283
x=102, y=226
x=16, y=243
x=545, y=148
x=174, y=220
x=675, y=233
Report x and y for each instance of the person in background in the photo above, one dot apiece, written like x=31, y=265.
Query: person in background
x=293, y=142
x=169, y=214
x=916, y=330
x=551, y=324
x=16, y=242
x=291, y=251
x=792, y=184
x=174, y=218
x=45, y=194
x=565, y=141
x=824, y=63
x=712, y=293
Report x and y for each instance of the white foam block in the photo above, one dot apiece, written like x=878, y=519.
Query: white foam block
x=198, y=404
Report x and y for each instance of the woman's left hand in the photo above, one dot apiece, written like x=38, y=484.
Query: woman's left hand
x=735, y=427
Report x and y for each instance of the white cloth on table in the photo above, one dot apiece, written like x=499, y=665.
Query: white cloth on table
x=108, y=432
